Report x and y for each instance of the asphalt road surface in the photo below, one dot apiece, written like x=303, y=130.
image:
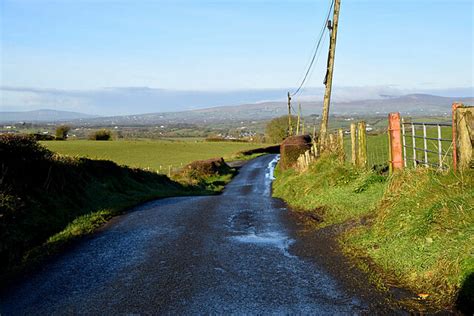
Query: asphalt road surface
x=188, y=255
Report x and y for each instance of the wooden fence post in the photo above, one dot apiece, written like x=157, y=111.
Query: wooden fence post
x=340, y=145
x=332, y=143
x=362, y=146
x=395, y=141
x=353, y=144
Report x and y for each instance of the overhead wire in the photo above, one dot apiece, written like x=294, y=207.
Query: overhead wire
x=317, y=58
x=316, y=50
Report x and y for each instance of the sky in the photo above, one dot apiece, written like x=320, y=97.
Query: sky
x=68, y=54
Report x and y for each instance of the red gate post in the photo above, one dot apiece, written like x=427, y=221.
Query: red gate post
x=395, y=141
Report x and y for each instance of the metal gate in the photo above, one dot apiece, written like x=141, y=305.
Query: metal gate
x=427, y=144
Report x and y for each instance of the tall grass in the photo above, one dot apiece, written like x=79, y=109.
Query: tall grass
x=418, y=226
x=338, y=191
x=422, y=232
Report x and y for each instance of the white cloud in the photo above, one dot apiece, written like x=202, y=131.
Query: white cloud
x=136, y=100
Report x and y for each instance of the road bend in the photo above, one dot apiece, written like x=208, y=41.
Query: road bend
x=188, y=255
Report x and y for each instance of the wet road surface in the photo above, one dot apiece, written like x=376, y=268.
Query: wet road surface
x=188, y=255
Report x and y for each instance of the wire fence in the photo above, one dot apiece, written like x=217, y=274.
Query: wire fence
x=377, y=148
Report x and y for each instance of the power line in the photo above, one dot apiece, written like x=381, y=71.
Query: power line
x=313, y=58
x=312, y=70
x=315, y=43
x=316, y=61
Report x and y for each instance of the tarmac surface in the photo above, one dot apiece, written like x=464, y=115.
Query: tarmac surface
x=189, y=255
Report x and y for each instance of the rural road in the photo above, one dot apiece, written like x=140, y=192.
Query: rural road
x=188, y=255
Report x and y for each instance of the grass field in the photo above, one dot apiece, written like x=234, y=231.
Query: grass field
x=149, y=153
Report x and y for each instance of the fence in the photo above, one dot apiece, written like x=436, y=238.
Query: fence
x=426, y=144
x=377, y=148
x=441, y=145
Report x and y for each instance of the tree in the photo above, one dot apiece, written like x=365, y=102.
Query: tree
x=277, y=129
x=61, y=132
x=102, y=134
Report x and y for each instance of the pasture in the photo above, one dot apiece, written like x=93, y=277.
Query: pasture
x=149, y=154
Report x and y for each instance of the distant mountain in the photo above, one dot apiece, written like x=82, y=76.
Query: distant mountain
x=413, y=105
x=42, y=116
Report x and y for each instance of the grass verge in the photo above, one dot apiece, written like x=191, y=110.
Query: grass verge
x=48, y=200
x=414, y=229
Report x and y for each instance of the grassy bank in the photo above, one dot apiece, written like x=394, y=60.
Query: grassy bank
x=149, y=153
x=414, y=229
x=47, y=200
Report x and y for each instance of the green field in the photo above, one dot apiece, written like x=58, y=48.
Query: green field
x=153, y=154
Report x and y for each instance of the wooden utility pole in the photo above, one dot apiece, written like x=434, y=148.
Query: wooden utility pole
x=290, y=128
x=329, y=73
x=299, y=119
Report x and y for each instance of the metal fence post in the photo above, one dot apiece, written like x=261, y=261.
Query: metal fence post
x=404, y=143
x=440, y=148
x=414, y=144
x=395, y=144
x=425, y=145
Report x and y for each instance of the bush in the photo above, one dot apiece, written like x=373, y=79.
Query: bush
x=277, y=129
x=38, y=136
x=41, y=193
x=15, y=149
x=102, y=134
x=61, y=132
x=205, y=168
x=292, y=148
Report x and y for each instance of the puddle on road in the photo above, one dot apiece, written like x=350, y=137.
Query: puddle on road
x=269, y=174
x=245, y=222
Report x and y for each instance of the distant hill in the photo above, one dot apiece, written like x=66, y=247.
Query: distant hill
x=42, y=116
x=413, y=105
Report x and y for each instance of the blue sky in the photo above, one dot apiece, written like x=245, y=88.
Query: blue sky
x=78, y=45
